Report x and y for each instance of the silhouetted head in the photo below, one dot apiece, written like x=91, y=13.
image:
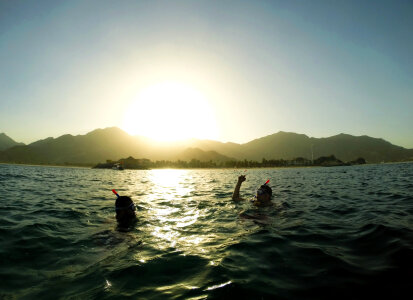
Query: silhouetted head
x=125, y=211
x=264, y=193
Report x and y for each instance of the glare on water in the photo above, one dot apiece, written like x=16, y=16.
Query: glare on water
x=191, y=240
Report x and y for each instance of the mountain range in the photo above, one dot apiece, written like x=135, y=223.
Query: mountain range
x=113, y=143
x=7, y=142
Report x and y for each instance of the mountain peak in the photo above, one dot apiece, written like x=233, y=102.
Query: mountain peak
x=286, y=133
x=343, y=135
x=3, y=135
x=279, y=136
x=108, y=130
x=199, y=154
x=7, y=142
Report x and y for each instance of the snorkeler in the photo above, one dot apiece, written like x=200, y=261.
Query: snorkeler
x=126, y=218
x=125, y=210
x=263, y=197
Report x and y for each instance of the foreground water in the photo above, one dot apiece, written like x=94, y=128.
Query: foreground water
x=344, y=232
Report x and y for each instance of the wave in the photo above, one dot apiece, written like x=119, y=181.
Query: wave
x=328, y=236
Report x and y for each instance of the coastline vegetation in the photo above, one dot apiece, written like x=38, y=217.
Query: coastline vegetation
x=145, y=164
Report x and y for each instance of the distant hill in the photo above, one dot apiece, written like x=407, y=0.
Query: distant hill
x=228, y=149
x=113, y=143
x=98, y=145
x=289, y=145
x=7, y=142
x=283, y=145
x=346, y=147
x=196, y=153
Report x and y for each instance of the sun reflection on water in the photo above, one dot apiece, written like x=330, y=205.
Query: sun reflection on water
x=168, y=177
x=169, y=184
x=172, y=209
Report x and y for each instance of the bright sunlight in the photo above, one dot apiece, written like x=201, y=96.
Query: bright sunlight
x=170, y=111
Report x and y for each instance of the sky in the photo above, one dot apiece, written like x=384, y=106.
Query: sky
x=223, y=70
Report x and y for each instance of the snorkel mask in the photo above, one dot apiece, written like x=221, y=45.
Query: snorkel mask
x=131, y=206
x=262, y=190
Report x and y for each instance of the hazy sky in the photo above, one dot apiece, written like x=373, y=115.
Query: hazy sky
x=314, y=67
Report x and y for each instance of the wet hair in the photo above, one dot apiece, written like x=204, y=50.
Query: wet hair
x=124, y=216
x=267, y=189
x=123, y=201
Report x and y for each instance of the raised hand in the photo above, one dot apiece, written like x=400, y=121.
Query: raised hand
x=241, y=178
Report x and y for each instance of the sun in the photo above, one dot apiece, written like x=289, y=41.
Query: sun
x=170, y=111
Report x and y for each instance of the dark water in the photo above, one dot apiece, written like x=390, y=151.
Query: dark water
x=342, y=233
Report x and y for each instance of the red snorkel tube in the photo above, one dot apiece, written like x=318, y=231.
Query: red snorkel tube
x=116, y=193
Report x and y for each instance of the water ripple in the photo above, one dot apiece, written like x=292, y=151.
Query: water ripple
x=333, y=232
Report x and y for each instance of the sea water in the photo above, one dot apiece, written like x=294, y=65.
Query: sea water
x=340, y=232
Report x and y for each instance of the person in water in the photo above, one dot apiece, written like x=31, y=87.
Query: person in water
x=263, y=197
x=125, y=211
x=126, y=218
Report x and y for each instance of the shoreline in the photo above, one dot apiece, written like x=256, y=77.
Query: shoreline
x=207, y=168
x=51, y=165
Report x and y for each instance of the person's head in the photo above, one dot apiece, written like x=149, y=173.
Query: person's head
x=264, y=193
x=125, y=210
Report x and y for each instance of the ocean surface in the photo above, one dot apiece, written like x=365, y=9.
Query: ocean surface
x=334, y=233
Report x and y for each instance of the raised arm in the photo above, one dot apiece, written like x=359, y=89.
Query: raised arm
x=235, y=195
